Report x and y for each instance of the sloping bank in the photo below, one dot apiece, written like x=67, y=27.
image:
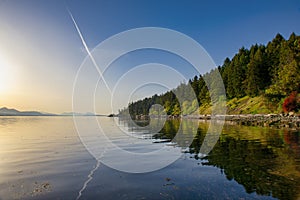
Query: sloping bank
x=253, y=111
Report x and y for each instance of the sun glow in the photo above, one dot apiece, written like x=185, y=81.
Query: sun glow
x=6, y=76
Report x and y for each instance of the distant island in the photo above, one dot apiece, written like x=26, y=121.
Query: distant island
x=13, y=112
x=4, y=111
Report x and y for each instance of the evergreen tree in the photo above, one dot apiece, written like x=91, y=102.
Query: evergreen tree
x=257, y=77
x=272, y=70
x=287, y=78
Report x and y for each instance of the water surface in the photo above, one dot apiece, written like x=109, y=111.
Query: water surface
x=43, y=158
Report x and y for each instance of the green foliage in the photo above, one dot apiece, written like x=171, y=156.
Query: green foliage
x=176, y=110
x=271, y=72
x=249, y=105
x=287, y=76
x=256, y=74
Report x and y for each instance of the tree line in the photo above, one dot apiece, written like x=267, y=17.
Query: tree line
x=271, y=70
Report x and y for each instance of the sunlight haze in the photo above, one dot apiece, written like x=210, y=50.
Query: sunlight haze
x=41, y=51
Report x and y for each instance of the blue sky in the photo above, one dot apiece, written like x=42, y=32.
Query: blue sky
x=40, y=50
x=222, y=27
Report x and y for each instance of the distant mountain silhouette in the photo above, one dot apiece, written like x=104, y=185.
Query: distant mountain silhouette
x=4, y=111
x=13, y=112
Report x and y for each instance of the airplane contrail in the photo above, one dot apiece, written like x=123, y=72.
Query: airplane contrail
x=88, y=51
x=90, y=176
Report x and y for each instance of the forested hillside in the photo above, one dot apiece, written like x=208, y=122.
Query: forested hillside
x=267, y=74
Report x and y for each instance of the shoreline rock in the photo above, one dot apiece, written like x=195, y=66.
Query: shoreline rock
x=264, y=120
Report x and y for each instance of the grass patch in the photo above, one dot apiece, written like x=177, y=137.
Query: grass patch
x=205, y=109
x=248, y=105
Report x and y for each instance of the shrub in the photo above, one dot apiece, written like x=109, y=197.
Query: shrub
x=291, y=103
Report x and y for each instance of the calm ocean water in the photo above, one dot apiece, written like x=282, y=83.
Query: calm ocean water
x=44, y=158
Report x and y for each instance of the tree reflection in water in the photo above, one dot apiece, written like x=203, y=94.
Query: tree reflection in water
x=263, y=160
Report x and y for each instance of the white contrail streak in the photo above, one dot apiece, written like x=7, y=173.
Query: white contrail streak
x=88, y=51
x=90, y=176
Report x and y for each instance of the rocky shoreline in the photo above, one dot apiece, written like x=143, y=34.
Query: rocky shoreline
x=266, y=120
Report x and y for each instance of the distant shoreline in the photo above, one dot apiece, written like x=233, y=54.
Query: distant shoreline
x=4, y=111
x=54, y=115
x=290, y=120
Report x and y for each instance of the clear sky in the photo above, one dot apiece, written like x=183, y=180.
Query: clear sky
x=41, y=51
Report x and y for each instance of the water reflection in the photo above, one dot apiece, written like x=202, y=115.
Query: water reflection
x=43, y=158
x=265, y=168
x=263, y=160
